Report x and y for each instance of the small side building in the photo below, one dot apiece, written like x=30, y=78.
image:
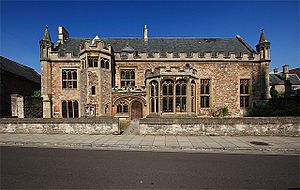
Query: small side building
x=16, y=78
x=286, y=83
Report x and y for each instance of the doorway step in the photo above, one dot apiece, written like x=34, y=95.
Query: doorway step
x=133, y=128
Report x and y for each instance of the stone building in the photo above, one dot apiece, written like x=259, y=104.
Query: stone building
x=15, y=78
x=132, y=78
x=286, y=83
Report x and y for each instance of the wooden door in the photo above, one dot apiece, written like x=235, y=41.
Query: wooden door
x=136, y=110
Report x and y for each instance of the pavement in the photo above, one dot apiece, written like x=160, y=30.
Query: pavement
x=192, y=144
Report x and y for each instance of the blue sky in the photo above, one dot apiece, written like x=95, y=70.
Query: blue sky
x=23, y=23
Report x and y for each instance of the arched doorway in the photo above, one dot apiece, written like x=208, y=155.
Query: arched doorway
x=136, y=110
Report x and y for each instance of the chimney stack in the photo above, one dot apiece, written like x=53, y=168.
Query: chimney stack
x=285, y=72
x=145, y=33
x=63, y=34
x=275, y=70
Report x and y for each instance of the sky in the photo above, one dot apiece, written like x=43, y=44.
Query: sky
x=23, y=23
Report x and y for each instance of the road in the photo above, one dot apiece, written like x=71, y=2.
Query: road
x=62, y=168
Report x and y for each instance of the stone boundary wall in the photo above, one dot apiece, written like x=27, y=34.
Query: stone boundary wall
x=257, y=126
x=92, y=126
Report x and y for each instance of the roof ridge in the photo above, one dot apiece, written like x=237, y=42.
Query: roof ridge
x=17, y=63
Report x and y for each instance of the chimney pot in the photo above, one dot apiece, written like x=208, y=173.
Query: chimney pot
x=275, y=70
x=145, y=33
x=285, y=72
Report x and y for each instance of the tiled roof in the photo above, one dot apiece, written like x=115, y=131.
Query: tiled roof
x=20, y=70
x=165, y=45
x=276, y=79
x=295, y=71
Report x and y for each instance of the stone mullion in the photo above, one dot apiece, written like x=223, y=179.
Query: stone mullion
x=158, y=96
x=188, y=97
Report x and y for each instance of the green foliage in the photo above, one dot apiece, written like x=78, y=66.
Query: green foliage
x=122, y=125
x=278, y=107
x=219, y=112
x=273, y=92
x=37, y=93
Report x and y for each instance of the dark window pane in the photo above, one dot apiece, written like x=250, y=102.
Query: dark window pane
x=202, y=101
x=69, y=75
x=74, y=75
x=152, y=90
x=170, y=89
x=132, y=75
x=183, y=104
x=156, y=103
x=125, y=107
x=93, y=90
x=119, y=108
x=183, y=88
x=102, y=63
x=178, y=103
x=165, y=90
x=152, y=105
x=122, y=83
x=202, y=89
x=64, y=75
x=207, y=89
x=75, y=109
x=64, y=84
x=171, y=104
x=247, y=101
x=177, y=89
x=70, y=108
x=64, y=109
x=165, y=104
x=127, y=75
x=75, y=84
x=107, y=65
x=207, y=102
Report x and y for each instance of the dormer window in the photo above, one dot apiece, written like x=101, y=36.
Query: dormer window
x=123, y=54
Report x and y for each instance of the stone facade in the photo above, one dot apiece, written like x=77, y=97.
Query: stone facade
x=92, y=126
x=284, y=126
x=131, y=78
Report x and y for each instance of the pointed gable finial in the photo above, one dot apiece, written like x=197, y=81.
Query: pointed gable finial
x=46, y=36
x=262, y=38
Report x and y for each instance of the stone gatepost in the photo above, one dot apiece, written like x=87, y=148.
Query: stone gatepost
x=17, y=105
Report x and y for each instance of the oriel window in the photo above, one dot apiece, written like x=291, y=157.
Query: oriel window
x=93, y=61
x=69, y=78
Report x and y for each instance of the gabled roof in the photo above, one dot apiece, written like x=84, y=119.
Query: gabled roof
x=20, y=70
x=295, y=71
x=276, y=79
x=164, y=45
